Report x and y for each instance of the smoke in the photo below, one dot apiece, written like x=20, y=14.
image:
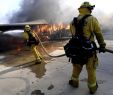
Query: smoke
x=7, y=8
x=57, y=11
x=53, y=11
x=50, y=10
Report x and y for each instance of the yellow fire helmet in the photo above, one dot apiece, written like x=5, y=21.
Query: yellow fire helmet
x=27, y=27
x=87, y=5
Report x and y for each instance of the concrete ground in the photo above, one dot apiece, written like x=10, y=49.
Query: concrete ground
x=52, y=76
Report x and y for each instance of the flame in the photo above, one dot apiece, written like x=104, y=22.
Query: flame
x=51, y=28
x=19, y=49
x=44, y=31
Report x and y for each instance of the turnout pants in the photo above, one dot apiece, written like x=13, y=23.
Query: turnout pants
x=91, y=71
x=36, y=53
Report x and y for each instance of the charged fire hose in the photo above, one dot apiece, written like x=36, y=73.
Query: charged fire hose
x=37, y=37
x=108, y=50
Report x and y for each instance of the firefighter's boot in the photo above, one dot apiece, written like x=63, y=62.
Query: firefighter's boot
x=38, y=61
x=93, y=89
x=74, y=83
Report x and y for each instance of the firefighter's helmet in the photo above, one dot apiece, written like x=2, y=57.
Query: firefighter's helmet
x=27, y=27
x=87, y=5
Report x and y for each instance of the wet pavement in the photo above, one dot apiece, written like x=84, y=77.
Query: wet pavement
x=51, y=77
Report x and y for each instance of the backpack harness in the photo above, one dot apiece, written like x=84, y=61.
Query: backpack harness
x=79, y=48
x=31, y=40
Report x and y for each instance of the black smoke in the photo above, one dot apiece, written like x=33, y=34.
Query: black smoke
x=50, y=10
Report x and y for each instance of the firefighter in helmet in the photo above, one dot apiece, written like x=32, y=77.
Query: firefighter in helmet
x=91, y=28
x=32, y=42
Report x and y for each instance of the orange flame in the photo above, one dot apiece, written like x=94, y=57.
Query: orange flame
x=44, y=31
x=52, y=28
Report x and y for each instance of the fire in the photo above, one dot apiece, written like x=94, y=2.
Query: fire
x=45, y=31
x=52, y=28
x=19, y=49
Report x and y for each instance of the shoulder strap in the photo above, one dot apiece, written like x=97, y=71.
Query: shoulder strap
x=83, y=19
x=79, y=24
x=30, y=35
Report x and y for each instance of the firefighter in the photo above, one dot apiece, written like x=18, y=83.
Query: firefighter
x=32, y=42
x=91, y=28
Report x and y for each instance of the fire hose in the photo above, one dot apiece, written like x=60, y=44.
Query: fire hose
x=37, y=37
x=108, y=50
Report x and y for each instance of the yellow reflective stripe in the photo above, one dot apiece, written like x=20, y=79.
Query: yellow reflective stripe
x=92, y=85
x=33, y=33
x=73, y=78
x=37, y=52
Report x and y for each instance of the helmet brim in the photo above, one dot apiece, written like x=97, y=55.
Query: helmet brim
x=89, y=7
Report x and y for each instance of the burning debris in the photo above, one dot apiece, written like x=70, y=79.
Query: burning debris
x=52, y=32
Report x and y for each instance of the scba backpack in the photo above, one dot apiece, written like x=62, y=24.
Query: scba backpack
x=32, y=40
x=79, y=49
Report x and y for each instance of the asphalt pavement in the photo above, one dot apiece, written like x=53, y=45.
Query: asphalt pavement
x=52, y=76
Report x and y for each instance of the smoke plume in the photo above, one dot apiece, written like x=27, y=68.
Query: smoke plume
x=50, y=10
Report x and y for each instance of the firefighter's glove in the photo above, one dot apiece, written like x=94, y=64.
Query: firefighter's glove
x=102, y=49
